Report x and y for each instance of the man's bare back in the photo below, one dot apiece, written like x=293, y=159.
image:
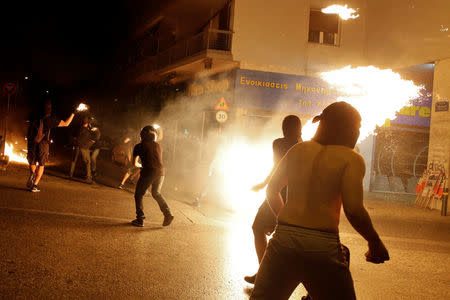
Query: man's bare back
x=316, y=175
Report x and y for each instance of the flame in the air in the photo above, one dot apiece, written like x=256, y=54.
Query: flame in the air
x=376, y=93
x=82, y=107
x=343, y=11
x=13, y=156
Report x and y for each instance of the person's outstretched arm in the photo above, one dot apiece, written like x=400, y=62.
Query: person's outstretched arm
x=277, y=182
x=352, y=201
x=67, y=122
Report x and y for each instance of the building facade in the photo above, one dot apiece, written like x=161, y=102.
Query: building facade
x=264, y=58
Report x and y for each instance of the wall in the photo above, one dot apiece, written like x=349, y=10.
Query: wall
x=407, y=32
x=439, y=150
x=272, y=36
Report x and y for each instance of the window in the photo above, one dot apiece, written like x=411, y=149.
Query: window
x=323, y=28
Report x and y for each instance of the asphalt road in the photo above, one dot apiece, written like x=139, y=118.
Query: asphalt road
x=74, y=240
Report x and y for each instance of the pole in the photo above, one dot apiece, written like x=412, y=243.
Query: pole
x=6, y=119
x=202, y=136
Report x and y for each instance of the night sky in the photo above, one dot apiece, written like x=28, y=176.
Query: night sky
x=65, y=45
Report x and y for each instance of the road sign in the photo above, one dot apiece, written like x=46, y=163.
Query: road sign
x=222, y=105
x=9, y=88
x=221, y=116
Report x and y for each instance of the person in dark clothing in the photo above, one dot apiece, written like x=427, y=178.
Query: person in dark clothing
x=85, y=141
x=152, y=174
x=38, y=139
x=95, y=149
x=265, y=221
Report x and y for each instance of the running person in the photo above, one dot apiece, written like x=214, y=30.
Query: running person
x=152, y=174
x=265, y=221
x=321, y=175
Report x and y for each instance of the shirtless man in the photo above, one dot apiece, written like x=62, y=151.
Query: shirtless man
x=321, y=175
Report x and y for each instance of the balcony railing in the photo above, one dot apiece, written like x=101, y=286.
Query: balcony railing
x=212, y=39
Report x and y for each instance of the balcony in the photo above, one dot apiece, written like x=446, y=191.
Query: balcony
x=187, y=56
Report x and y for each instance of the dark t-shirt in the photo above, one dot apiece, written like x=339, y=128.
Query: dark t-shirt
x=150, y=153
x=280, y=147
x=48, y=123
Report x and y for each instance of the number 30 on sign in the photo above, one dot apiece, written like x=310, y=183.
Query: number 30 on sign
x=221, y=116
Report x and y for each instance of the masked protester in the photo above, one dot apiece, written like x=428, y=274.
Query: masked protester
x=38, y=138
x=84, y=141
x=321, y=175
x=152, y=174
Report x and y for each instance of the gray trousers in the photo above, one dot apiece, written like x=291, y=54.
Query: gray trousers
x=89, y=159
x=300, y=255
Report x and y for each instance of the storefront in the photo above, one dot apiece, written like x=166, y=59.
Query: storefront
x=395, y=157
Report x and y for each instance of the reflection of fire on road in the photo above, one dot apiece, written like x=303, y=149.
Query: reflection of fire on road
x=377, y=94
x=14, y=155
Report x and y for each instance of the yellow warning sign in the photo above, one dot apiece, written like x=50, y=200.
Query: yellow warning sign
x=222, y=105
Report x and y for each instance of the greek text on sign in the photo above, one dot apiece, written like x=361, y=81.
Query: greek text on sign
x=222, y=105
x=221, y=116
x=9, y=88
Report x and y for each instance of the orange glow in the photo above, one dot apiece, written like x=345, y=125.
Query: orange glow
x=82, y=107
x=376, y=93
x=16, y=157
x=344, y=12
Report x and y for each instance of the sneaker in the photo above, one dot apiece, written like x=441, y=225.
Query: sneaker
x=30, y=181
x=138, y=222
x=120, y=187
x=167, y=220
x=35, y=189
x=250, y=279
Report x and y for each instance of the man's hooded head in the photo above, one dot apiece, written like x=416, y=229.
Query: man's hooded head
x=292, y=127
x=148, y=133
x=339, y=125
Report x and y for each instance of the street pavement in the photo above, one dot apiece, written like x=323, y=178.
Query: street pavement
x=74, y=240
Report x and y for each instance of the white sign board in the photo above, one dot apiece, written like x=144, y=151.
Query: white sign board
x=221, y=116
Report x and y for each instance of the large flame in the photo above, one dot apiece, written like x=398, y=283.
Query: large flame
x=376, y=93
x=13, y=156
x=243, y=164
x=344, y=12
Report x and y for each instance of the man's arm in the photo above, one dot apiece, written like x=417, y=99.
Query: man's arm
x=261, y=185
x=352, y=201
x=136, y=162
x=67, y=122
x=277, y=182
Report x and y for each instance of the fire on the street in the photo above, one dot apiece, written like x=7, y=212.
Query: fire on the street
x=14, y=155
x=344, y=12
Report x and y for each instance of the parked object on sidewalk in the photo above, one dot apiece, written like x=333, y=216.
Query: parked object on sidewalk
x=431, y=186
